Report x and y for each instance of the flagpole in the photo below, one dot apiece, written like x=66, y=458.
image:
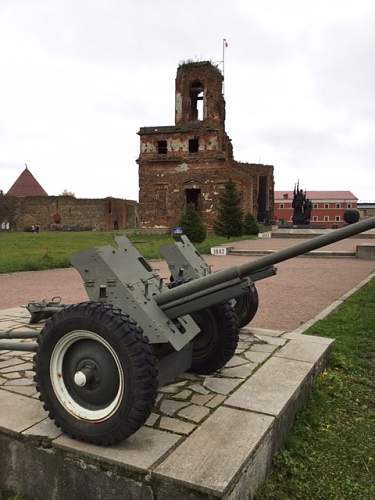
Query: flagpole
x=223, y=62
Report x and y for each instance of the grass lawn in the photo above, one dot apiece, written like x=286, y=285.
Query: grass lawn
x=330, y=452
x=31, y=251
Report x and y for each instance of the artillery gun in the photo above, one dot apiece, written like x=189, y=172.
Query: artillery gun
x=98, y=364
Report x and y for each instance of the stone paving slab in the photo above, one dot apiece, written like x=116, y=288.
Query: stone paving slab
x=17, y=413
x=140, y=451
x=271, y=387
x=263, y=331
x=214, y=434
x=302, y=350
x=213, y=455
x=45, y=429
x=307, y=338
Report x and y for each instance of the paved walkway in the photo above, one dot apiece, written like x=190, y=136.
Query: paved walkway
x=300, y=290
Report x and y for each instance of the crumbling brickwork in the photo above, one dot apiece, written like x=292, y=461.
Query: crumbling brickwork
x=67, y=212
x=191, y=161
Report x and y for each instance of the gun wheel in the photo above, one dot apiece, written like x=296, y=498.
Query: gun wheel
x=217, y=341
x=96, y=373
x=246, y=306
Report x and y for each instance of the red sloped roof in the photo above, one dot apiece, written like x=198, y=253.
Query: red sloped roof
x=319, y=195
x=26, y=185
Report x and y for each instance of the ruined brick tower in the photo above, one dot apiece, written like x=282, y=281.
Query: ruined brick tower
x=191, y=161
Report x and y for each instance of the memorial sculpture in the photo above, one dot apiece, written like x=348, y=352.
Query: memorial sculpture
x=98, y=364
x=302, y=207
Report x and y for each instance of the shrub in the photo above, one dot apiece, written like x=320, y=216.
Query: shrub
x=192, y=225
x=250, y=225
x=351, y=216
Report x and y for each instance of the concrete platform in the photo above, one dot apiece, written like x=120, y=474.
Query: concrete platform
x=315, y=253
x=208, y=437
x=366, y=251
x=311, y=233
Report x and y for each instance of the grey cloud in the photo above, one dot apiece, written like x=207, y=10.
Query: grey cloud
x=80, y=78
x=298, y=139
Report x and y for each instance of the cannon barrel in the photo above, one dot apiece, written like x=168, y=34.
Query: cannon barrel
x=214, y=281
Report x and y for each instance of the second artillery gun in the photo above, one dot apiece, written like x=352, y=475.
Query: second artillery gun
x=99, y=363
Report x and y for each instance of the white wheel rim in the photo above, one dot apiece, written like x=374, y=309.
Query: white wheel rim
x=61, y=391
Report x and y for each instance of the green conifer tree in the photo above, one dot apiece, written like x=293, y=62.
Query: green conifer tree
x=250, y=225
x=192, y=225
x=229, y=219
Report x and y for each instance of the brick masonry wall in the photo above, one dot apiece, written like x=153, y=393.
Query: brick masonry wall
x=164, y=204
x=212, y=80
x=65, y=211
x=166, y=173
x=162, y=198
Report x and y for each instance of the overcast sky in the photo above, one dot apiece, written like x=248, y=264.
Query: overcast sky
x=79, y=77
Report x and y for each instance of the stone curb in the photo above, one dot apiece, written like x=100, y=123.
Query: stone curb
x=314, y=254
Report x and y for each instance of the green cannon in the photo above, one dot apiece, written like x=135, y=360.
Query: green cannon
x=98, y=364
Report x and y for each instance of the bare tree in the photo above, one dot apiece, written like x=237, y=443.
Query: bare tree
x=67, y=193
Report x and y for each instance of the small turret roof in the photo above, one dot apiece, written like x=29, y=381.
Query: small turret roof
x=26, y=185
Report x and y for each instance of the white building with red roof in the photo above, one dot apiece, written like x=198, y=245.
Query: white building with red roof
x=328, y=207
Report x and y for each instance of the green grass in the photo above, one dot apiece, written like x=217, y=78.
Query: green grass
x=31, y=252
x=330, y=452
x=6, y=495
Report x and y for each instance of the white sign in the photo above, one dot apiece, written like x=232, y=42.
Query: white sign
x=222, y=251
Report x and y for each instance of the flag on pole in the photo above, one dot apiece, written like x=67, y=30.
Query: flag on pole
x=225, y=45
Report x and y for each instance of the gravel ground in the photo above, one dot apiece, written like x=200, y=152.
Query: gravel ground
x=299, y=291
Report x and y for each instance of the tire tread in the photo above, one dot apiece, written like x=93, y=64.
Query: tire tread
x=145, y=379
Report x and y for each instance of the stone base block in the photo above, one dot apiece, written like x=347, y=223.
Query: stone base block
x=366, y=252
x=208, y=437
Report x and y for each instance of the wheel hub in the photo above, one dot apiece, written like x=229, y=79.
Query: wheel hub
x=86, y=374
x=94, y=367
x=84, y=377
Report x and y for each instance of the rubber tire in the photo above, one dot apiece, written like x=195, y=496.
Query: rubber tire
x=136, y=358
x=219, y=326
x=37, y=317
x=246, y=307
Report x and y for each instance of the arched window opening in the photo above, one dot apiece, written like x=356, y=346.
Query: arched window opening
x=162, y=147
x=194, y=145
x=200, y=102
x=193, y=196
x=197, y=100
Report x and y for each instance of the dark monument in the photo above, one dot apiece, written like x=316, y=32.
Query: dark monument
x=302, y=207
